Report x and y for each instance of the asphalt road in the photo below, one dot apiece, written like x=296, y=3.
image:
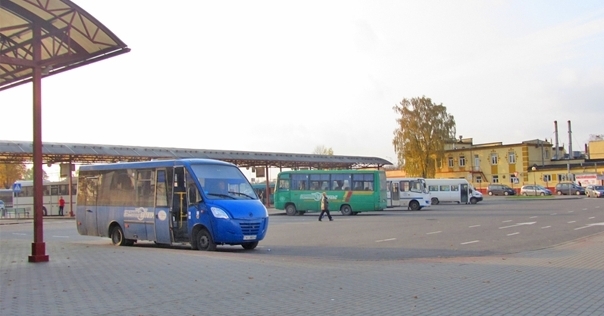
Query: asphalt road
x=493, y=227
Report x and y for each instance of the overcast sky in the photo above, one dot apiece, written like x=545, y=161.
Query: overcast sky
x=287, y=76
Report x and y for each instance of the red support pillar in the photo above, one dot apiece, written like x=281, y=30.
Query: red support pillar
x=38, y=247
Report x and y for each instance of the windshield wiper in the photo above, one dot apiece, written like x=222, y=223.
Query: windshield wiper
x=221, y=195
x=251, y=198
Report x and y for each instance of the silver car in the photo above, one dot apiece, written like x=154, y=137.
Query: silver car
x=534, y=190
x=596, y=191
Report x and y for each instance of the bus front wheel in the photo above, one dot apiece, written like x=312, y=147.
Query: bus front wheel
x=290, y=210
x=205, y=241
x=414, y=206
x=117, y=236
x=249, y=245
x=435, y=201
x=346, y=210
x=473, y=201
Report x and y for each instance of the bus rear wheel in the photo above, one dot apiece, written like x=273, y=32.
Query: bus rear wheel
x=205, y=241
x=290, y=210
x=346, y=210
x=249, y=245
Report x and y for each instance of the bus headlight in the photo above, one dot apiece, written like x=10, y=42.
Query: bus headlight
x=219, y=213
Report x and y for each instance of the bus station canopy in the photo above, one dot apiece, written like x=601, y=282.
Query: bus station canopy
x=68, y=35
x=19, y=151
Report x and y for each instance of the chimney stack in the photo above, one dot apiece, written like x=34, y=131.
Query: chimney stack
x=570, y=142
x=556, y=133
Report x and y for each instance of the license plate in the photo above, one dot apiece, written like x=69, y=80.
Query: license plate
x=249, y=237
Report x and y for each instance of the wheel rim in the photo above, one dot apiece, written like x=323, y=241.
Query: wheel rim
x=414, y=206
x=290, y=210
x=117, y=236
x=346, y=210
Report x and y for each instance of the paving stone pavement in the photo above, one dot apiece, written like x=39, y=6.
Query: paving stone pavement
x=96, y=278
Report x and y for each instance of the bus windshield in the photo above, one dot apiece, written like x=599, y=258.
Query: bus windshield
x=222, y=182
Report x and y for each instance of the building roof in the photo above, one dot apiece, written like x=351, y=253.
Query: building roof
x=70, y=38
x=19, y=151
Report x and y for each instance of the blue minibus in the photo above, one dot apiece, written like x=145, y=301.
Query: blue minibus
x=202, y=202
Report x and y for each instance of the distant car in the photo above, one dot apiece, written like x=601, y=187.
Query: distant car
x=534, y=190
x=2, y=209
x=596, y=191
x=569, y=188
x=500, y=189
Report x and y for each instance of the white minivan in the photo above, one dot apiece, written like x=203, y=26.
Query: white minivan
x=453, y=190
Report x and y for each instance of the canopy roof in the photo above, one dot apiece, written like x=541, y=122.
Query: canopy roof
x=17, y=151
x=69, y=36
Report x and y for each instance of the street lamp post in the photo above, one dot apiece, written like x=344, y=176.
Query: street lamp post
x=534, y=180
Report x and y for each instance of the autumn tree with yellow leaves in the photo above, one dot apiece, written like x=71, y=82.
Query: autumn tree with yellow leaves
x=419, y=140
x=11, y=172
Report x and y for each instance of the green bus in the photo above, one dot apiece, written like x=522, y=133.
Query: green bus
x=349, y=191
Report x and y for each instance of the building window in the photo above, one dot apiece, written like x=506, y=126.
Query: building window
x=450, y=162
x=547, y=154
x=513, y=179
x=494, y=158
x=462, y=161
x=512, y=157
x=478, y=179
x=495, y=179
x=547, y=177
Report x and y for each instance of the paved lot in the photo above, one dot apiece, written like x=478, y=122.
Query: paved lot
x=95, y=278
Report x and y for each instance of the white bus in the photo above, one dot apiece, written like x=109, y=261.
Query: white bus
x=51, y=192
x=407, y=192
x=453, y=190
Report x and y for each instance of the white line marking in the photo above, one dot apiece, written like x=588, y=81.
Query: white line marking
x=20, y=234
x=473, y=226
x=571, y=222
x=571, y=211
x=553, y=214
x=584, y=209
x=533, y=217
x=544, y=227
x=389, y=239
x=470, y=242
x=512, y=234
x=590, y=225
x=598, y=206
x=519, y=224
x=509, y=220
x=60, y=236
x=592, y=217
x=437, y=232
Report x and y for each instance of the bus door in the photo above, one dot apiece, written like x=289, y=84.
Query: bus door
x=89, y=189
x=464, y=192
x=404, y=193
x=396, y=194
x=162, y=211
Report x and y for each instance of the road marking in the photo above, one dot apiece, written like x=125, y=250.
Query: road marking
x=533, y=217
x=585, y=209
x=519, y=224
x=469, y=242
x=512, y=234
x=592, y=217
x=571, y=222
x=598, y=206
x=20, y=234
x=437, y=232
x=509, y=220
x=60, y=236
x=389, y=239
x=590, y=225
x=544, y=227
x=473, y=226
x=553, y=214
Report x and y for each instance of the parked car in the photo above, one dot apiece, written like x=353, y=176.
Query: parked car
x=2, y=209
x=569, y=188
x=534, y=190
x=596, y=191
x=500, y=189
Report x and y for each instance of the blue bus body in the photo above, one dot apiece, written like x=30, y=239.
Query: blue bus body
x=198, y=201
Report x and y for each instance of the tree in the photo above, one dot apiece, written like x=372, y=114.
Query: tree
x=423, y=129
x=11, y=172
x=29, y=174
x=322, y=150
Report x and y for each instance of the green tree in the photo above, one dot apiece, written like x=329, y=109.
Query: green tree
x=29, y=174
x=423, y=129
x=11, y=172
x=322, y=150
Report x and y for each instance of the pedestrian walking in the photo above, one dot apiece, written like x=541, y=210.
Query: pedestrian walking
x=61, y=205
x=325, y=207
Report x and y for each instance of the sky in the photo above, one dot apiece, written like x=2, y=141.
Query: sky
x=288, y=76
